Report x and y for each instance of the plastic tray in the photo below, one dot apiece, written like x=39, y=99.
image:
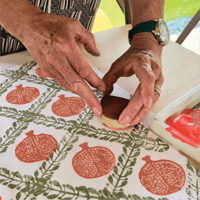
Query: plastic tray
x=158, y=125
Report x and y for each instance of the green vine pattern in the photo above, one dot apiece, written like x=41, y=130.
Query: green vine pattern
x=123, y=169
x=149, y=144
x=65, y=145
x=15, y=73
x=43, y=100
x=193, y=187
x=11, y=134
x=45, y=171
x=30, y=187
x=138, y=133
x=136, y=197
x=27, y=66
x=6, y=84
x=14, y=76
x=42, y=81
x=22, y=122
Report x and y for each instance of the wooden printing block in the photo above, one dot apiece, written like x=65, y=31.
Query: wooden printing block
x=112, y=107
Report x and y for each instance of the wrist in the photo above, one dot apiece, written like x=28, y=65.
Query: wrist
x=26, y=22
x=146, y=42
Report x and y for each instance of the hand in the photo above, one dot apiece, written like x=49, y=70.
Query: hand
x=143, y=59
x=53, y=41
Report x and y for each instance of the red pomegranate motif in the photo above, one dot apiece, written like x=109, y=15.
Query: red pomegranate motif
x=40, y=73
x=162, y=177
x=35, y=148
x=68, y=106
x=93, y=162
x=22, y=95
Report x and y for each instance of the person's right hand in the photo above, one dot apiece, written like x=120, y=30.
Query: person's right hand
x=53, y=42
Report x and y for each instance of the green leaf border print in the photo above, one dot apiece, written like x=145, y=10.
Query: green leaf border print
x=40, y=183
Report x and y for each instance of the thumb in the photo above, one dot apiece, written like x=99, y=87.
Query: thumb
x=88, y=40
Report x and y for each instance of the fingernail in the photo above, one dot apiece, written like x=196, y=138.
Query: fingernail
x=125, y=120
x=135, y=121
x=102, y=88
x=96, y=111
x=149, y=102
x=98, y=53
x=95, y=53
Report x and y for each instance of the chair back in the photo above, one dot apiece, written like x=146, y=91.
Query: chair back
x=126, y=8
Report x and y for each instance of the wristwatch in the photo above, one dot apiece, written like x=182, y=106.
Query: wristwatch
x=157, y=27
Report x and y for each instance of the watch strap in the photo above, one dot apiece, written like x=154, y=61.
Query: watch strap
x=142, y=27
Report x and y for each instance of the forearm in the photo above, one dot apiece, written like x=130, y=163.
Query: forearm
x=15, y=15
x=146, y=10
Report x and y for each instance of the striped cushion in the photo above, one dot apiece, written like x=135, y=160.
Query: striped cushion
x=83, y=10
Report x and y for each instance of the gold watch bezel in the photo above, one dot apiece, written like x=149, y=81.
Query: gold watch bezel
x=157, y=32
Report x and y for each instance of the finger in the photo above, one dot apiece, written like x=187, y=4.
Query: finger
x=54, y=74
x=158, y=83
x=79, y=63
x=143, y=112
x=132, y=108
x=111, y=77
x=50, y=71
x=87, y=38
x=157, y=69
x=76, y=83
x=44, y=71
x=143, y=71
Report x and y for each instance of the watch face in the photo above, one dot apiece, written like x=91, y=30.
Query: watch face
x=164, y=32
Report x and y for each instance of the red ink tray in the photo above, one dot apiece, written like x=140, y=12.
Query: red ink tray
x=158, y=125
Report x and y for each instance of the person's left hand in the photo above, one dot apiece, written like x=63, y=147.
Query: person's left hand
x=143, y=59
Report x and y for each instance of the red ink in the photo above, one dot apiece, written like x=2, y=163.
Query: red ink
x=186, y=111
x=113, y=129
x=40, y=73
x=185, y=127
x=22, y=95
x=195, y=115
x=93, y=162
x=162, y=177
x=68, y=106
x=35, y=148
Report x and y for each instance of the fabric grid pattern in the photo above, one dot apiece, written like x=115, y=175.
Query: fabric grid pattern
x=82, y=10
x=51, y=156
